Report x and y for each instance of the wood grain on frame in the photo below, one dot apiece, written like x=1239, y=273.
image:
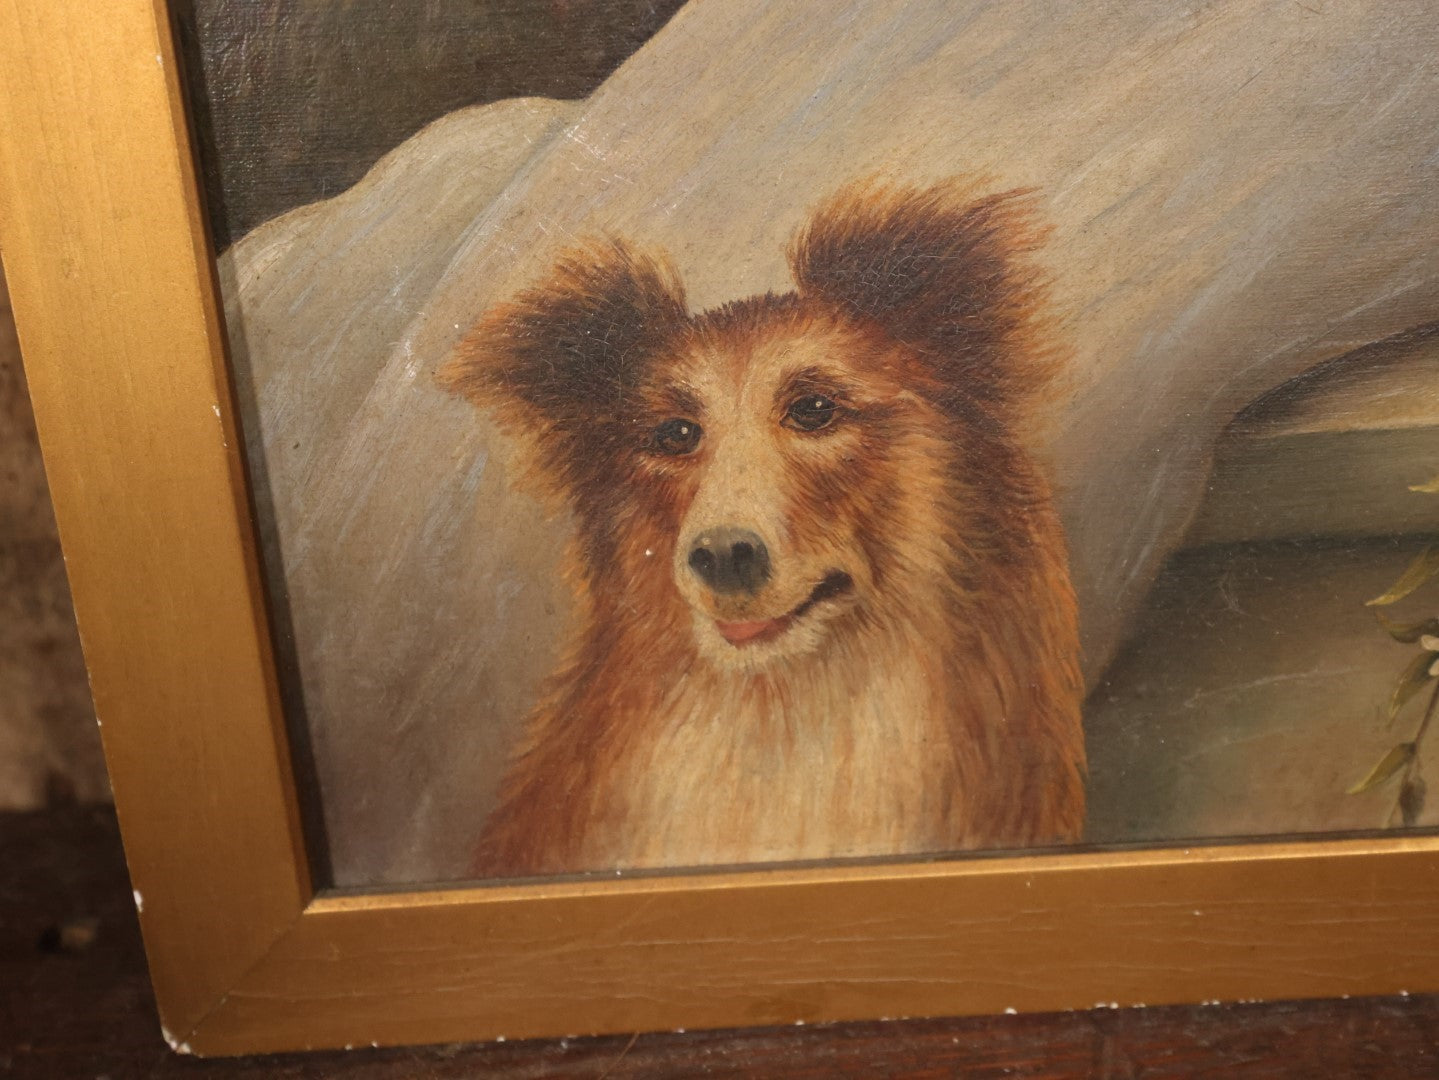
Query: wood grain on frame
x=113, y=291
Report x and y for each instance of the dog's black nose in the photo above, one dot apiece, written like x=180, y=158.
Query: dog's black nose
x=728, y=560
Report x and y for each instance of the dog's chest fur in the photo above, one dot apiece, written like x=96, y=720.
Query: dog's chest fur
x=827, y=761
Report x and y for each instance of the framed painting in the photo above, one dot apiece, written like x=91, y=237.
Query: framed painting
x=594, y=518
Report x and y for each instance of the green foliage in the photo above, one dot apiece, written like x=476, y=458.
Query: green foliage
x=1397, y=757
x=1403, y=759
x=1410, y=632
x=1413, y=679
x=1411, y=800
x=1432, y=487
x=1420, y=572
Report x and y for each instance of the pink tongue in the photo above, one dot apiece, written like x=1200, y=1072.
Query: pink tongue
x=737, y=633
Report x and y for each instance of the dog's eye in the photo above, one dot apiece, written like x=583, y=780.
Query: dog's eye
x=811, y=412
x=676, y=437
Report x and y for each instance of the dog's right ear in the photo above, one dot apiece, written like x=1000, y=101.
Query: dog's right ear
x=944, y=270
x=560, y=363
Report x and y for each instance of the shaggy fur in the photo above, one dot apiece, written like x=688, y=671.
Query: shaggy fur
x=905, y=680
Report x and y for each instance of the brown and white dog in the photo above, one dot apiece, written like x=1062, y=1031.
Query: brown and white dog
x=824, y=604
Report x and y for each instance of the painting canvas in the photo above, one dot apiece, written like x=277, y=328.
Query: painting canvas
x=715, y=434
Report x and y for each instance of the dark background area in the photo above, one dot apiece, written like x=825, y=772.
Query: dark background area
x=293, y=100
x=49, y=743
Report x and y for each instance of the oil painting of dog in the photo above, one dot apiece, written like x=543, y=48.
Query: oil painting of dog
x=699, y=433
x=824, y=603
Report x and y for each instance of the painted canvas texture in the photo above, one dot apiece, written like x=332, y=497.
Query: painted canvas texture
x=875, y=430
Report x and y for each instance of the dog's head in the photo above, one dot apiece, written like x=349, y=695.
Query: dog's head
x=791, y=464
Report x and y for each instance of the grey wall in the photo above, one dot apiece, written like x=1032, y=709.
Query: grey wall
x=49, y=745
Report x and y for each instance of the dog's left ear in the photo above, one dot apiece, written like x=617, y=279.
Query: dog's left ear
x=559, y=363
x=942, y=271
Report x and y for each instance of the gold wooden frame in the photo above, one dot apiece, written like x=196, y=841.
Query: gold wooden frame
x=112, y=284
